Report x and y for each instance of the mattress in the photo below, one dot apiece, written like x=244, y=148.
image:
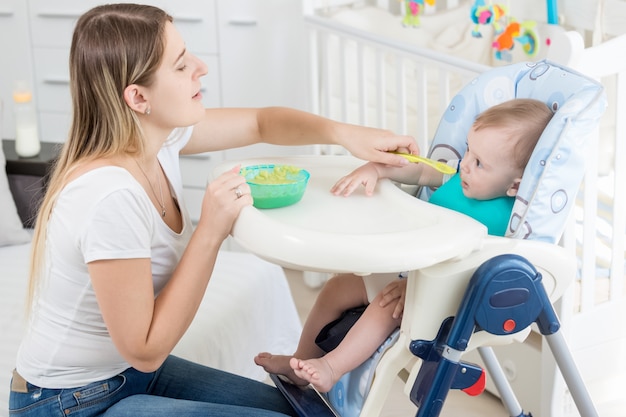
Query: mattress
x=247, y=308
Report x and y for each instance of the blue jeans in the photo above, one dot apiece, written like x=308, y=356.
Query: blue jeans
x=177, y=388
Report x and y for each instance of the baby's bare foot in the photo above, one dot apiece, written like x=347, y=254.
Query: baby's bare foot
x=278, y=364
x=318, y=372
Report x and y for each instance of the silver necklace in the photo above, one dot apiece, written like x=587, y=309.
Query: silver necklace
x=161, y=201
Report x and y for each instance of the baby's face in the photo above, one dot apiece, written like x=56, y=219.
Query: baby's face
x=487, y=169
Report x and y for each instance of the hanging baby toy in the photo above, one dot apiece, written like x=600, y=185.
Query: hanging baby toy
x=507, y=31
x=412, y=11
x=486, y=14
x=524, y=33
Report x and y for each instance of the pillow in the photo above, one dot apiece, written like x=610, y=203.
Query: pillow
x=11, y=230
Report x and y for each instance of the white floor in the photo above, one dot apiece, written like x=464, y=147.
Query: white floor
x=457, y=402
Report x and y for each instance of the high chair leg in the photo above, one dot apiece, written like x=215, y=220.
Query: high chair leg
x=504, y=296
x=570, y=373
x=499, y=379
x=567, y=366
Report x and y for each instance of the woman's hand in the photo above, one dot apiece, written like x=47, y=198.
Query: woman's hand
x=366, y=175
x=375, y=144
x=223, y=200
x=394, y=292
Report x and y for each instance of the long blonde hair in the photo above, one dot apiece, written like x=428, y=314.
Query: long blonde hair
x=113, y=46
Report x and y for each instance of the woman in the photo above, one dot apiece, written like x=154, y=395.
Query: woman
x=117, y=271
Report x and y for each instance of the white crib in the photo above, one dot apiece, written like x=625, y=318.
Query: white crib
x=369, y=69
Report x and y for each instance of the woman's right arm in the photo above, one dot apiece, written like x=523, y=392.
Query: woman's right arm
x=227, y=128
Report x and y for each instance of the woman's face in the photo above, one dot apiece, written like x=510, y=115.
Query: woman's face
x=487, y=168
x=174, y=97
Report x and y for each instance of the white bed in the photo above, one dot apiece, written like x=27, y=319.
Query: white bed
x=247, y=309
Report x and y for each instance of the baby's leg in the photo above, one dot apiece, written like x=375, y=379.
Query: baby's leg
x=368, y=333
x=339, y=294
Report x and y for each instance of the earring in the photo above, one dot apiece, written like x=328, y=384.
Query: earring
x=147, y=112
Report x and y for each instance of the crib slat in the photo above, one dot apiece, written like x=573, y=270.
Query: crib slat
x=326, y=81
x=314, y=68
x=314, y=80
x=400, y=95
x=362, y=86
x=619, y=199
x=381, y=97
x=588, y=256
x=343, y=78
x=422, y=134
x=444, y=91
x=327, y=84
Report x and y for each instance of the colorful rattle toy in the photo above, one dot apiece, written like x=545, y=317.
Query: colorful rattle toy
x=483, y=14
x=524, y=33
x=412, y=11
x=507, y=30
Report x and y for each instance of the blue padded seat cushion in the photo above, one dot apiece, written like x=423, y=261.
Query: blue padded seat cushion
x=556, y=168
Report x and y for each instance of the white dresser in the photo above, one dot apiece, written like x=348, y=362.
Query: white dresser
x=255, y=50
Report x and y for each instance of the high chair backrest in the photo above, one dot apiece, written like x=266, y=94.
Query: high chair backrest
x=557, y=165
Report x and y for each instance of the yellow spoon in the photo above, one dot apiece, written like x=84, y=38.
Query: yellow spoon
x=438, y=165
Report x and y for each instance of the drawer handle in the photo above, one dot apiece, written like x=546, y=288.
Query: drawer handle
x=198, y=156
x=56, y=80
x=194, y=187
x=59, y=15
x=6, y=13
x=74, y=15
x=243, y=22
x=188, y=19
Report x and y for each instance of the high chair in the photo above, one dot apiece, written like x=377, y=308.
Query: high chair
x=465, y=290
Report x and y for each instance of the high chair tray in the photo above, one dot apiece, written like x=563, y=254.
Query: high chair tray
x=388, y=232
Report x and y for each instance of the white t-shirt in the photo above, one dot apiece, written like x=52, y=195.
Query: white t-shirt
x=103, y=214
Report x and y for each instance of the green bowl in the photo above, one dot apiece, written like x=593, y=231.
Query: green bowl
x=274, y=186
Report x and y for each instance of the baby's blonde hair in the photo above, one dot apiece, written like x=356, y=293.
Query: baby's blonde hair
x=524, y=119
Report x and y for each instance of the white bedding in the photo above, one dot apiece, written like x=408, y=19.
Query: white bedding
x=13, y=273
x=248, y=308
x=446, y=31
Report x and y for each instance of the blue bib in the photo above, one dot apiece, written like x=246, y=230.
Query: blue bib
x=494, y=213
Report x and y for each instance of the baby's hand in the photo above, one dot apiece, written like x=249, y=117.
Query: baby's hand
x=366, y=175
x=394, y=291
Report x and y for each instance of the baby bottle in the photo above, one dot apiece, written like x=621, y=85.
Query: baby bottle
x=26, y=133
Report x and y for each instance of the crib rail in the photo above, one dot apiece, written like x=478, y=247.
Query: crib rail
x=358, y=77
x=600, y=298
x=606, y=183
